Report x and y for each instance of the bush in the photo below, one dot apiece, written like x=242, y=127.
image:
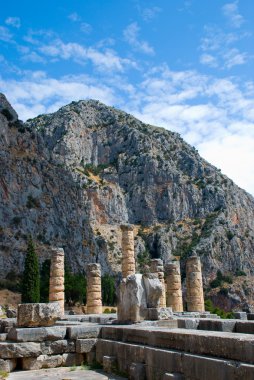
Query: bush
x=31, y=276
x=240, y=273
x=216, y=310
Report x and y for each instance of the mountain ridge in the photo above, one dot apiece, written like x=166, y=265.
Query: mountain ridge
x=98, y=167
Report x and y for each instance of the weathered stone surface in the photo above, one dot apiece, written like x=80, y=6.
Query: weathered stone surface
x=7, y=324
x=38, y=314
x=8, y=365
x=188, y=323
x=137, y=371
x=42, y=361
x=94, y=298
x=132, y=298
x=174, y=287
x=153, y=289
x=37, y=334
x=158, y=268
x=240, y=315
x=58, y=347
x=128, y=254
x=11, y=313
x=109, y=364
x=85, y=345
x=3, y=337
x=217, y=325
x=244, y=327
x=19, y=350
x=56, y=284
x=70, y=360
x=173, y=376
x=159, y=313
x=194, y=285
x=83, y=332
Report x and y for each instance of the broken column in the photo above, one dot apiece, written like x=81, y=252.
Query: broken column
x=128, y=255
x=94, y=302
x=194, y=285
x=157, y=267
x=174, y=287
x=56, y=282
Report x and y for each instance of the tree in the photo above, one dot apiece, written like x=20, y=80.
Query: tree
x=75, y=287
x=31, y=276
x=44, y=281
x=108, y=290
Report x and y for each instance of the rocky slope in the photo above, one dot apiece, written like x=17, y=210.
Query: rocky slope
x=70, y=178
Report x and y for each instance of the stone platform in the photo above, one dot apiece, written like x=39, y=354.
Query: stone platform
x=189, y=346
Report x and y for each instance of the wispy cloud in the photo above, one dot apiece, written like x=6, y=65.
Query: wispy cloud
x=231, y=12
x=103, y=60
x=131, y=35
x=86, y=28
x=15, y=22
x=5, y=34
x=209, y=60
x=74, y=17
x=150, y=13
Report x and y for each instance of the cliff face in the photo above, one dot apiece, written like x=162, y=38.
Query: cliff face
x=70, y=178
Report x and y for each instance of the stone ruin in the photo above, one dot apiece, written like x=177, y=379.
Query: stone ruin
x=162, y=342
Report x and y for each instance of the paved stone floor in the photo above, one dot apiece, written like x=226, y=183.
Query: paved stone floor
x=62, y=373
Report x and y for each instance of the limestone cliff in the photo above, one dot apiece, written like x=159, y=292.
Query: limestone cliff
x=70, y=178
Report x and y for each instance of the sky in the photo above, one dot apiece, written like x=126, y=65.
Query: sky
x=186, y=65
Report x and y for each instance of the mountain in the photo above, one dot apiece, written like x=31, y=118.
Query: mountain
x=72, y=177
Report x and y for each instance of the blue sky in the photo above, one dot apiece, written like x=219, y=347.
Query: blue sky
x=186, y=65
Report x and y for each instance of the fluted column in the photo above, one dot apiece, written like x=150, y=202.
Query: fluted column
x=56, y=282
x=94, y=300
x=174, y=287
x=158, y=268
x=194, y=285
x=128, y=254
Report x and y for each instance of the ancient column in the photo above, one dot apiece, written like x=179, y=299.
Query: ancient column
x=94, y=303
x=128, y=255
x=56, y=282
x=174, y=287
x=194, y=285
x=157, y=267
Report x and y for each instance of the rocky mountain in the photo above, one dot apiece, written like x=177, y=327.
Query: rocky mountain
x=72, y=177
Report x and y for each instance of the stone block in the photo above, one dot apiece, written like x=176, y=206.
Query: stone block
x=38, y=314
x=19, y=350
x=217, y=325
x=7, y=323
x=83, y=332
x=3, y=337
x=42, y=361
x=244, y=327
x=85, y=345
x=187, y=323
x=155, y=314
x=250, y=316
x=109, y=364
x=37, y=334
x=240, y=315
x=71, y=359
x=91, y=357
x=8, y=365
x=137, y=371
x=153, y=289
x=58, y=347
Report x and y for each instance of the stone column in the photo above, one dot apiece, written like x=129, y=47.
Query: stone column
x=128, y=254
x=56, y=282
x=94, y=303
x=157, y=267
x=194, y=285
x=174, y=287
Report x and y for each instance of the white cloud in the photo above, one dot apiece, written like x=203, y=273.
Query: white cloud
x=131, y=36
x=86, y=28
x=103, y=60
x=39, y=94
x=5, y=34
x=13, y=21
x=74, y=17
x=209, y=60
x=149, y=13
x=230, y=11
x=233, y=57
